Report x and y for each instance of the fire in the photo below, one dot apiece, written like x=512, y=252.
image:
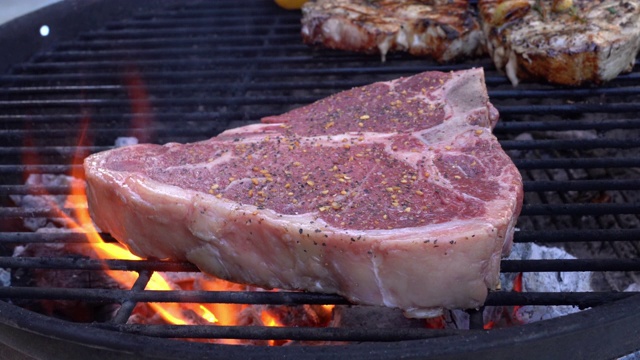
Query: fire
x=328, y=308
x=76, y=200
x=517, y=283
x=508, y=315
x=172, y=313
x=517, y=287
x=270, y=320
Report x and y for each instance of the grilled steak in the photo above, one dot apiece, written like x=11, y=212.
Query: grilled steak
x=442, y=29
x=394, y=194
x=562, y=41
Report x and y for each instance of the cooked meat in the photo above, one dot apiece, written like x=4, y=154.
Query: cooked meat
x=567, y=42
x=394, y=194
x=442, y=29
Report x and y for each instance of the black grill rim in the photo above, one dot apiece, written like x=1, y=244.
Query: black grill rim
x=613, y=324
x=531, y=341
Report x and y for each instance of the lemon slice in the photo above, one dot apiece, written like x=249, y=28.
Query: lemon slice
x=290, y=4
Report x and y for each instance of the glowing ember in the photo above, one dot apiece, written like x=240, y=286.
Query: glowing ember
x=489, y=325
x=435, y=323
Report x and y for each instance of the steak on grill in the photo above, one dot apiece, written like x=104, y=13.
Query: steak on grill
x=394, y=194
x=567, y=42
x=442, y=29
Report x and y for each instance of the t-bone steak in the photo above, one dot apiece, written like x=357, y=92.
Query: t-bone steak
x=394, y=194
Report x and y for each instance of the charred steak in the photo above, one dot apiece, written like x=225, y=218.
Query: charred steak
x=442, y=29
x=567, y=42
x=394, y=194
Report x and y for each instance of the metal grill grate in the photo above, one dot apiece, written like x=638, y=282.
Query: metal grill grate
x=189, y=72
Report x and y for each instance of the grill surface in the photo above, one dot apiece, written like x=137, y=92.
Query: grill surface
x=187, y=73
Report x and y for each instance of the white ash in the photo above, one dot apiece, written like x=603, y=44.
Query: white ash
x=634, y=287
x=546, y=282
x=5, y=277
x=633, y=356
x=45, y=201
x=125, y=141
x=572, y=134
x=531, y=282
x=521, y=137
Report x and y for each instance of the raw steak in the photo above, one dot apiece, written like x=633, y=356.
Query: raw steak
x=394, y=194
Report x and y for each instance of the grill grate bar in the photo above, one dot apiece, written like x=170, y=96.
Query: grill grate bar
x=283, y=333
x=35, y=190
x=136, y=24
x=57, y=150
x=58, y=237
x=127, y=306
x=130, y=117
x=186, y=53
x=580, y=209
x=564, y=265
x=609, y=108
x=580, y=185
x=507, y=266
x=41, y=169
x=174, y=44
x=569, y=144
x=180, y=41
x=563, y=124
x=184, y=296
x=94, y=264
x=561, y=236
x=180, y=32
x=582, y=299
x=577, y=163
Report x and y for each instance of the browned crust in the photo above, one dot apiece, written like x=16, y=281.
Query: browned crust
x=556, y=69
x=590, y=46
x=449, y=28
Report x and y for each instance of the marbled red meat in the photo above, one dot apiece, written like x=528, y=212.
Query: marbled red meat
x=394, y=194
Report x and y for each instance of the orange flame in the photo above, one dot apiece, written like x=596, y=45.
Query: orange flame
x=173, y=313
x=82, y=222
x=270, y=320
x=517, y=287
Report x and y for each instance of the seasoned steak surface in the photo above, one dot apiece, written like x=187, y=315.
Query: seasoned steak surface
x=386, y=194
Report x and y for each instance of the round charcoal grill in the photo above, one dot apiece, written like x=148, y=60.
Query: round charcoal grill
x=165, y=71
